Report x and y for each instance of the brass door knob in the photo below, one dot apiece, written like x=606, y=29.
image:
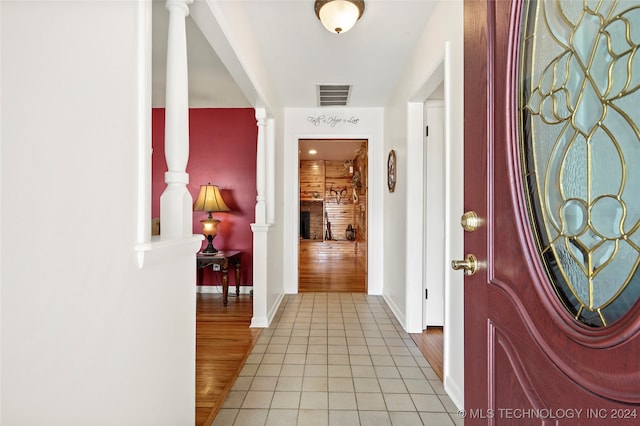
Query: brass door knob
x=470, y=221
x=469, y=265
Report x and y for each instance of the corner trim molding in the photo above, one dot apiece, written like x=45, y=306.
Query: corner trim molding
x=159, y=251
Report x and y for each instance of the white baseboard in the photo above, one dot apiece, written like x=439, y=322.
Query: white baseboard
x=396, y=311
x=244, y=289
x=454, y=391
x=265, y=322
x=274, y=309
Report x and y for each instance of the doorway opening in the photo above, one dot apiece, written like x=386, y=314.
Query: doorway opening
x=332, y=244
x=431, y=341
x=430, y=127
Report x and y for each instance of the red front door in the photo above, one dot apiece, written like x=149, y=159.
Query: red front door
x=528, y=359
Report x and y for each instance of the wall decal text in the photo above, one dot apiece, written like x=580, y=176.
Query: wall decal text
x=331, y=121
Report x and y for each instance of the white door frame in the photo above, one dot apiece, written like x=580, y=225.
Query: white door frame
x=368, y=125
x=454, y=241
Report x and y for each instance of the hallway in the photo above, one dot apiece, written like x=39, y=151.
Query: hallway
x=336, y=359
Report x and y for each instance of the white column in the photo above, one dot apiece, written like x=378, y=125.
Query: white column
x=260, y=317
x=176, y=215
x=270, y=170
x=261, y=210
x=260, y=232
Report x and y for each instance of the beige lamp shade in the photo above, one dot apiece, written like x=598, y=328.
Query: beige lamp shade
x=210, y=200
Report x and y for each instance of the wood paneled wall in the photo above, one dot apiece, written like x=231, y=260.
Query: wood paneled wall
x=311, y=180
x=360, y=166
x=332, y=183
x=338, y=198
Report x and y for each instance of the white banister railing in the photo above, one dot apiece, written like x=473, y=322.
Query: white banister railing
x=176, y=202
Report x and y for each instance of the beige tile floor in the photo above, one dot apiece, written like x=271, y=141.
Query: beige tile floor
x=336, y=359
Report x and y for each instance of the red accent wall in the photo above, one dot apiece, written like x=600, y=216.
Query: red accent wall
x=222, y=151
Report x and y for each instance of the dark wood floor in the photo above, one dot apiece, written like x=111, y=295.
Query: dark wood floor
x=430, y=343
x=224, y=339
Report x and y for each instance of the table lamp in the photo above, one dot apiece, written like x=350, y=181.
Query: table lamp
x=209, y=200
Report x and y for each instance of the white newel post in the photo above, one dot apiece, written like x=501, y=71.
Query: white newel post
x=175, y=202
x=260, y=229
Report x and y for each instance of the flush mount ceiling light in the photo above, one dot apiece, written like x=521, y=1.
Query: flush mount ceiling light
x=339, y=16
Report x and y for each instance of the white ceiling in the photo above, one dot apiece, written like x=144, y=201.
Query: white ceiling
x=210, y=85
x=283, y=43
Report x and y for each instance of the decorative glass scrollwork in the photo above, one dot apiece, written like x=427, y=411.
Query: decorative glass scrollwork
x=579, y=112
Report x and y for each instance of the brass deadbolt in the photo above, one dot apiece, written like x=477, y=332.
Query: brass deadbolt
x=470, y=221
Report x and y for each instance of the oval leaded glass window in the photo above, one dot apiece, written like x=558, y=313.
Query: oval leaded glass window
x=579, y=108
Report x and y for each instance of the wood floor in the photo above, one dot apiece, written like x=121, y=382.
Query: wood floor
x=430, y=343
x=224, y=339
x=329, y=273
x=223, y=342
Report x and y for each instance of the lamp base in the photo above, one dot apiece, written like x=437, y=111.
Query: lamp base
x=210, y=249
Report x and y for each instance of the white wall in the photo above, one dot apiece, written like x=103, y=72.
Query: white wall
x=327, y=123
x=277, y=253
x=87, y=336
x=400, y=289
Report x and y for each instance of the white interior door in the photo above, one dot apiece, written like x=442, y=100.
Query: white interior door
x=434, y=208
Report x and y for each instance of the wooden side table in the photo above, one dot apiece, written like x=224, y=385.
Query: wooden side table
x=223, y=259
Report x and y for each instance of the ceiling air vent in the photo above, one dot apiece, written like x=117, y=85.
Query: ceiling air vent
x=333, y=94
